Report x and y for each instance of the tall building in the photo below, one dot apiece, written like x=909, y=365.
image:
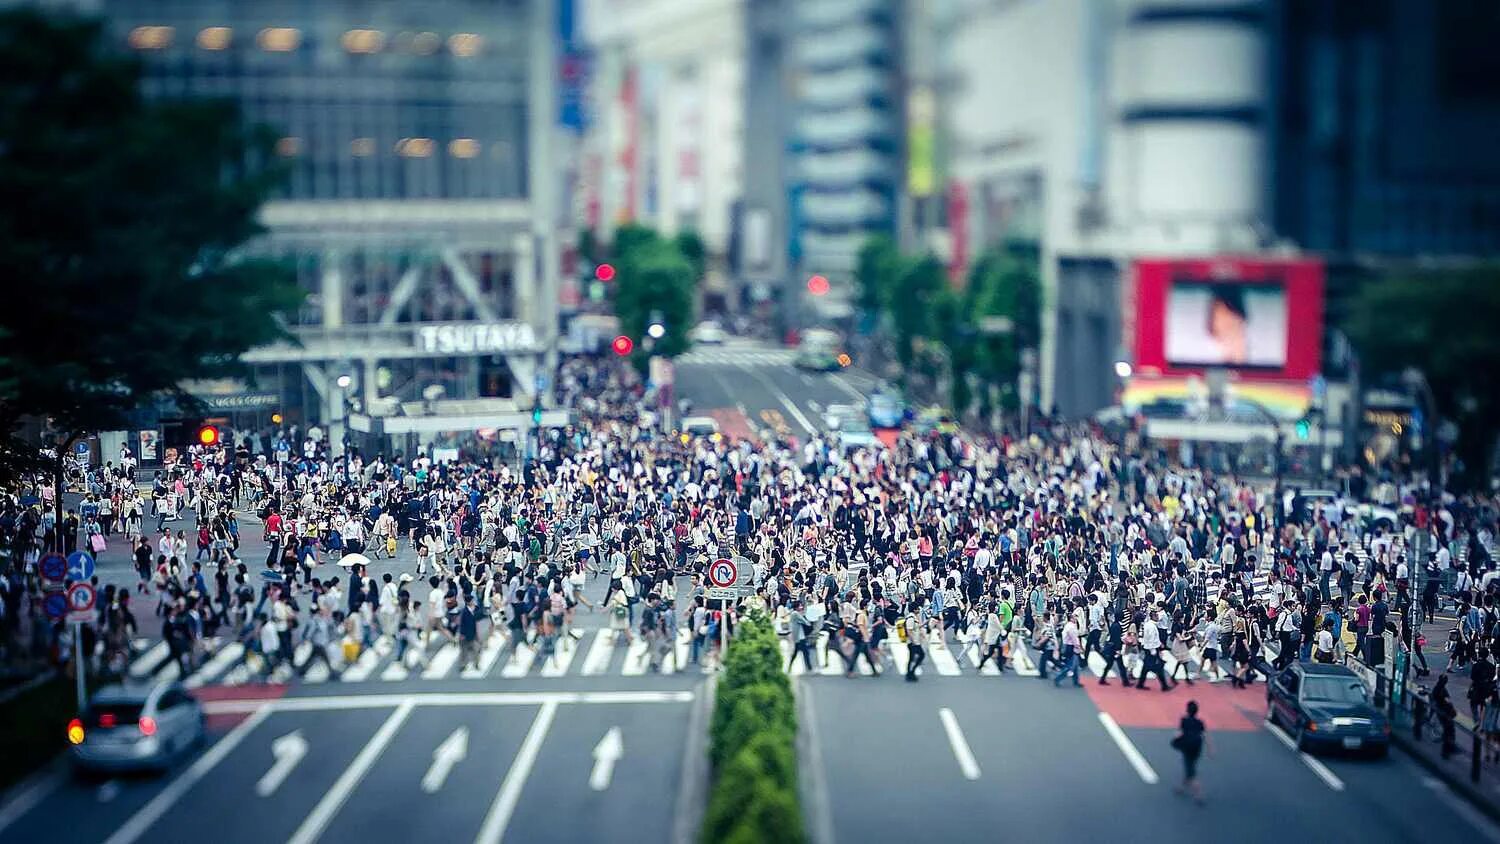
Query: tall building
x=844, y=140
x=665, y=146
x=1218, y=139
x=419, y=214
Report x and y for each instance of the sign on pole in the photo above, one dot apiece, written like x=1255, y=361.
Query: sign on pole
x=723, y=573
x=55, y=605
x=80, y=597
x=728, y=593
x=80, y=565
x=53, y=568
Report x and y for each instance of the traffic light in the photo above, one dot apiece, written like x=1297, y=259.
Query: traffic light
x=605, y=272
x=1304, y=429
x=208, y=435
x=536, y=414
x=817, y=285
x=622, y=345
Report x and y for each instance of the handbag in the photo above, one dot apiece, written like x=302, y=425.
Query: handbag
x=97, y=543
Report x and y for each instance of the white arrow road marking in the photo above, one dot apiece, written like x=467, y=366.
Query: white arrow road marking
x=322, y=814
x=498, y=817
x=606, y=753
x=288, y=750
x=452, y=751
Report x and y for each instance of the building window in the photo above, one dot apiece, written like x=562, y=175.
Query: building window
x=289, y=147
x=363, y=41
x=465, y=44
x=215, y=37
x=151, y=37
x=279, y=39
x=362, y=147
x=414, y=147
x=463, y=148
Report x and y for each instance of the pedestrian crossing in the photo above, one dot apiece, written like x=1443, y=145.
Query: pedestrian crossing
x=592, y=653
x=731, y=356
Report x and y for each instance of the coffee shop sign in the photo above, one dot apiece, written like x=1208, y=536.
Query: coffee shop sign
x=467, y=337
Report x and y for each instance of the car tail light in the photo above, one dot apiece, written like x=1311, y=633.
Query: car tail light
x=1312, y=726
x=75, y=731
x=107, y=720
x=148, y=726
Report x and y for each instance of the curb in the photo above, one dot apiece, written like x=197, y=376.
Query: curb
x=1459, y=784
x=692, y=791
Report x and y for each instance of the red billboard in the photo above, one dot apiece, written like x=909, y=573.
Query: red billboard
x=1262, y=318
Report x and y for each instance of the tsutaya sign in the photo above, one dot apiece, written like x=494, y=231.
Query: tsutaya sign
x=467, y=337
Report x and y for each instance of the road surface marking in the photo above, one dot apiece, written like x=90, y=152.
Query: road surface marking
x=493, y=828
x=165, y=799
x=991, y=668
x=1133, y=756
x=487, y=657
x=322, y=814
x=1021, y=661
x=442, y=662
x=684, y=650
x=1328, y=777
x=960, y=745
x=838, y=381
x=337, y=702
x=606, y=753
x=942, y=659
x=30, y=793
x=216, y=666
x=785, y=400
x=149, y=659
x=598, y=658
x=452, y=751
x=1097, y=664
x=637, y=656
x=520, y=661
x=562, y=657
x=362, y=667
x=288, y=750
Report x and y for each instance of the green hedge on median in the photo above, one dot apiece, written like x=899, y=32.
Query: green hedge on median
x=752, y=742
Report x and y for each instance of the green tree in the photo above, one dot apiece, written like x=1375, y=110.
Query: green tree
x=1442, y=322
x=690, y=245
x=654, y=277
x=918, y=280
x=875, y=270
x=121, y=221
x=1005, y=282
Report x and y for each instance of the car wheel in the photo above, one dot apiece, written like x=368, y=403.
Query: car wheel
x=1380, y=751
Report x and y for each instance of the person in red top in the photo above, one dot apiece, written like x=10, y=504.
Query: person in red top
x=273, y=539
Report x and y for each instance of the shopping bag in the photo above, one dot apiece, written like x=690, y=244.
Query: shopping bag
x=97, y=543
x=351, y=651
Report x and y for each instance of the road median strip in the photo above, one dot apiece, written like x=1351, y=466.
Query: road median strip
x=752, y=734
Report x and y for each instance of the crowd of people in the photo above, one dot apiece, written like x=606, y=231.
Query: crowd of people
x=1061, y=544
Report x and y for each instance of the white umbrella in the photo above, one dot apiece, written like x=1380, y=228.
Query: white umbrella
x=349, y=561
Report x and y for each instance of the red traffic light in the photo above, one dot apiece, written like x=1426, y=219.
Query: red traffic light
x=623, y=345
x=817, y=285
x=208, y=435
x=604, y=272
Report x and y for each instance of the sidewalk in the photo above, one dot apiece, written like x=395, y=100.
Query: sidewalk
x=1457, y=770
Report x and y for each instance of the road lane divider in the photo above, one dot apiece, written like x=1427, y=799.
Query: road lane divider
x=492, y=831
x=965, y=756
x=1328, y=777
x=317, y=820
x=1142, y=768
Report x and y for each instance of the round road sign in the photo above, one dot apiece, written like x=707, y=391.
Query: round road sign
x=80, y=565
x=53, y=566
x=81, y=597
x=722, y=572
x=55, y=605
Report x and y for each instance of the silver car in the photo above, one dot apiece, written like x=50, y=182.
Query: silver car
x=136, y=727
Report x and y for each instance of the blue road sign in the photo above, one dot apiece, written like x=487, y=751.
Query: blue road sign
x=53, y=567
x=80, y=565
x=55, y=605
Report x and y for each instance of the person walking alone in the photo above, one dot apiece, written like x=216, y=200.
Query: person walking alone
x=1191, y=740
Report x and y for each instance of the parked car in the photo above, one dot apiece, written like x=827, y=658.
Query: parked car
x=708, y=333
x=1327, y=707
x=135, y=727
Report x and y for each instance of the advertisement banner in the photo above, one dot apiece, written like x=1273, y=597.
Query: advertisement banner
x=148, y=441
